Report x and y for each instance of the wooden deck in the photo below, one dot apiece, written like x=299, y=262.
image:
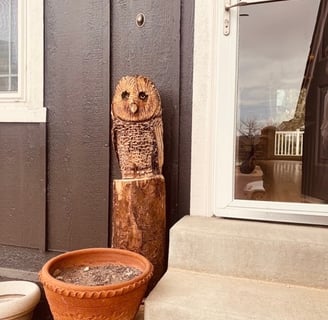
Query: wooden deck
x=282, y=180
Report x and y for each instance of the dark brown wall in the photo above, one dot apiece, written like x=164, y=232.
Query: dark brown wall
x=185, y=120
x=22, y=184
x=56, y=177
x=162, y=50
x=77, y=98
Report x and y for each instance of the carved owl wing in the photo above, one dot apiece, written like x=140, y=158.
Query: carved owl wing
x=114, y=138
x=158, y=129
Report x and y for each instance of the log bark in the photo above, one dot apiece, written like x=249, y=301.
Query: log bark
x=139, y=220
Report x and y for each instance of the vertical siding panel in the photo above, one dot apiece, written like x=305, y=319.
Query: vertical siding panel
x=77, y=98
x=186, y=75
x=22, y=184
x=154, y=51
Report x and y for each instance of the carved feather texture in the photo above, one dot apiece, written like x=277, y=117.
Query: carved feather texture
x=137, y=131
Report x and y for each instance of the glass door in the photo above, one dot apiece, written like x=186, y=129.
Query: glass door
x=281, y=131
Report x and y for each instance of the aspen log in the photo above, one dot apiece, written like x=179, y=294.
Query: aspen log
x=139, y=220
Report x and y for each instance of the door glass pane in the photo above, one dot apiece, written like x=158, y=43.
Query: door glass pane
x=275, y=50
x=8, y=45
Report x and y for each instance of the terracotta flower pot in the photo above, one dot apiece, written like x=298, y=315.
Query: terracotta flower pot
x=115, y=301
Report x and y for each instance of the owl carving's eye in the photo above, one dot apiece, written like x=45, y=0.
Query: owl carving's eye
x=142, y=95
x=125, y=95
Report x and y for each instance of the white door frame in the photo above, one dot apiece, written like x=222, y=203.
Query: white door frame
x=212, y=163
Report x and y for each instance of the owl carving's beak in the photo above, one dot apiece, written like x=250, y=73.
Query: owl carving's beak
x=133, y=107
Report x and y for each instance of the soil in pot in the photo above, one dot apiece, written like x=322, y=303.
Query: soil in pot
x=96, y=275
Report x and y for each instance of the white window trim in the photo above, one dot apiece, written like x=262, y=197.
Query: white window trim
x=212, y=163
x=26, y=105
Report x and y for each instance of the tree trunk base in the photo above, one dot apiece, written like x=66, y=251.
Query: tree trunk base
x=139, y=220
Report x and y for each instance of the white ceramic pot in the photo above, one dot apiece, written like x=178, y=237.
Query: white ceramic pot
x=18, y=299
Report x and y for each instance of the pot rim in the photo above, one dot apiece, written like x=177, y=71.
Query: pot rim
x=48, y=280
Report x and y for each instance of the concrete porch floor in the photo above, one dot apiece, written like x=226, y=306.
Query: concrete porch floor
x=140, y=314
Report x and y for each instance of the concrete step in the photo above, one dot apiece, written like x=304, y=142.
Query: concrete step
x=222, y=269
x=188, y=295
x=291, y=254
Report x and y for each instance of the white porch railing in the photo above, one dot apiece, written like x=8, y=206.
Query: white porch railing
x=288, y=143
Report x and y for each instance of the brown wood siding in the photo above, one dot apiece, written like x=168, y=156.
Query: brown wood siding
x=22, y=184
x=77, y=98
x=185, y=117
x=159, y=51
x=56, y=177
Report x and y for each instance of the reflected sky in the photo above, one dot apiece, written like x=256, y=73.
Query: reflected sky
x=274, y=43
x=8, y=22
x=8, y=45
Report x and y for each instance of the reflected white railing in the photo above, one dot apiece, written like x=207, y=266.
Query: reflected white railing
x=288, y=143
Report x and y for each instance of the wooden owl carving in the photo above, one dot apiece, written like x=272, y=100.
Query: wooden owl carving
x=137, y=131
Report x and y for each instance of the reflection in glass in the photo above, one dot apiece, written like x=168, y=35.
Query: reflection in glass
x=274, y=47
x=8, y=45
x=324, y=128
